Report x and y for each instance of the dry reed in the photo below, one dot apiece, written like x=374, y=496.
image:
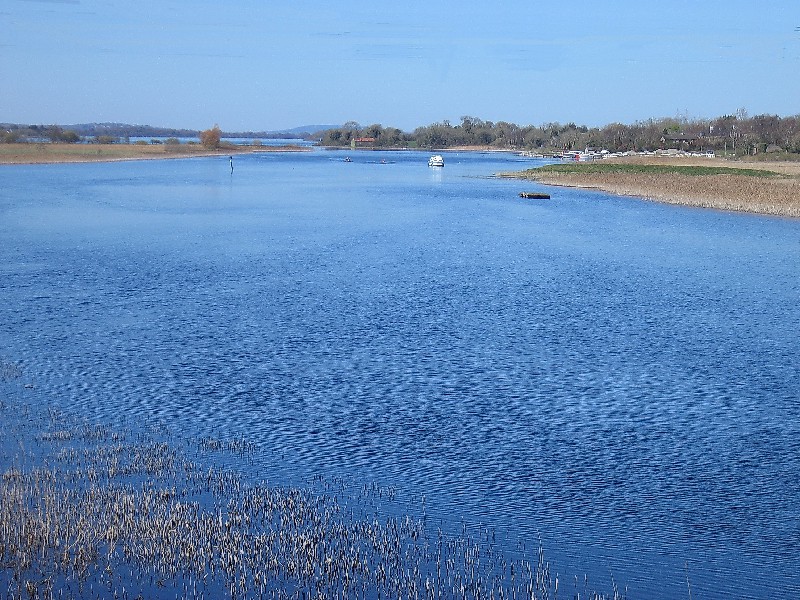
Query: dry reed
x=32, y=153
x=779, y=196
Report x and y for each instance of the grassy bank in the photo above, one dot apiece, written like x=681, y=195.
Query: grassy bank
x=763, y=188
x=61, y=153
x=609, y=168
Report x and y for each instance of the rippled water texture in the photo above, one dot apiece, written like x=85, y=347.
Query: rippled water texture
x=615, y=376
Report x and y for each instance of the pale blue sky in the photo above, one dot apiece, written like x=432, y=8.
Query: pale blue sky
x=254, y=64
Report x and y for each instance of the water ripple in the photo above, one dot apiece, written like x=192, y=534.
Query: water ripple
x=634, y=403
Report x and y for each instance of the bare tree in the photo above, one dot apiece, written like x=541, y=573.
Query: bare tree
x=210, y=138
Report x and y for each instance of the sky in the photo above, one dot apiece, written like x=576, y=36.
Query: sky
x=256, y=65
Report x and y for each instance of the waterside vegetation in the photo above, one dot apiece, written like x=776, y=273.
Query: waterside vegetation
x=27, y=153
x=88, y=511
x=122, y=133
x=764, y=188
x=610, y=168
x=733, y=135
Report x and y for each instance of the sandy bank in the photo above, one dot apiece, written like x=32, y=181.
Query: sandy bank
x=69, y=153
x=770, y=195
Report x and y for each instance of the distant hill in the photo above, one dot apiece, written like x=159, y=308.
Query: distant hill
x=294, y=132
x=126, y=130
x=308, y=129
x=119, y=130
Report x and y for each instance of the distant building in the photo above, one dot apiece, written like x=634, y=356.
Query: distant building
x=680, y=141
x=361, y=142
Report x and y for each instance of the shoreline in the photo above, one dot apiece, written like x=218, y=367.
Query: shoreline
x=49, y=153
x=776, y=193
x=56, y=153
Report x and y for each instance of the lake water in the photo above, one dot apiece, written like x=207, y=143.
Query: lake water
x=616, y=377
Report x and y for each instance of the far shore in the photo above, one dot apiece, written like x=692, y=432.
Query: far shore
x=33, y=153
x=44, y=153
x=773, y=191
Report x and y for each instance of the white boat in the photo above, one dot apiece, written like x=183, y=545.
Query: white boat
x=584, y=156
x=436, y=161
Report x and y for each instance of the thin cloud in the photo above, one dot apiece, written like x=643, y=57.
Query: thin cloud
x=52, y=1
x=167, y=53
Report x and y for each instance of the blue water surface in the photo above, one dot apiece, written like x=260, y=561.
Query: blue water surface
x=618, y=378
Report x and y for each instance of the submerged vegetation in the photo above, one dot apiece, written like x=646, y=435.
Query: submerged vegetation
x=89, y=511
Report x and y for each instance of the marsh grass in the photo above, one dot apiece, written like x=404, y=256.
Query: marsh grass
x=32, y=153
x=9, y=370
x=773, y=191
x=88, y=511
x=35, y=153
x=604, y=168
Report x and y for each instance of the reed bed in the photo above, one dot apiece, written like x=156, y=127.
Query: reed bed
x=32, y=153
x=758, y=190
x=89, y=511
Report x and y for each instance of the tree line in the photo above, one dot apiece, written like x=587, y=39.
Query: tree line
x=736, y=134
x=12, y=133
x=108, y=133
